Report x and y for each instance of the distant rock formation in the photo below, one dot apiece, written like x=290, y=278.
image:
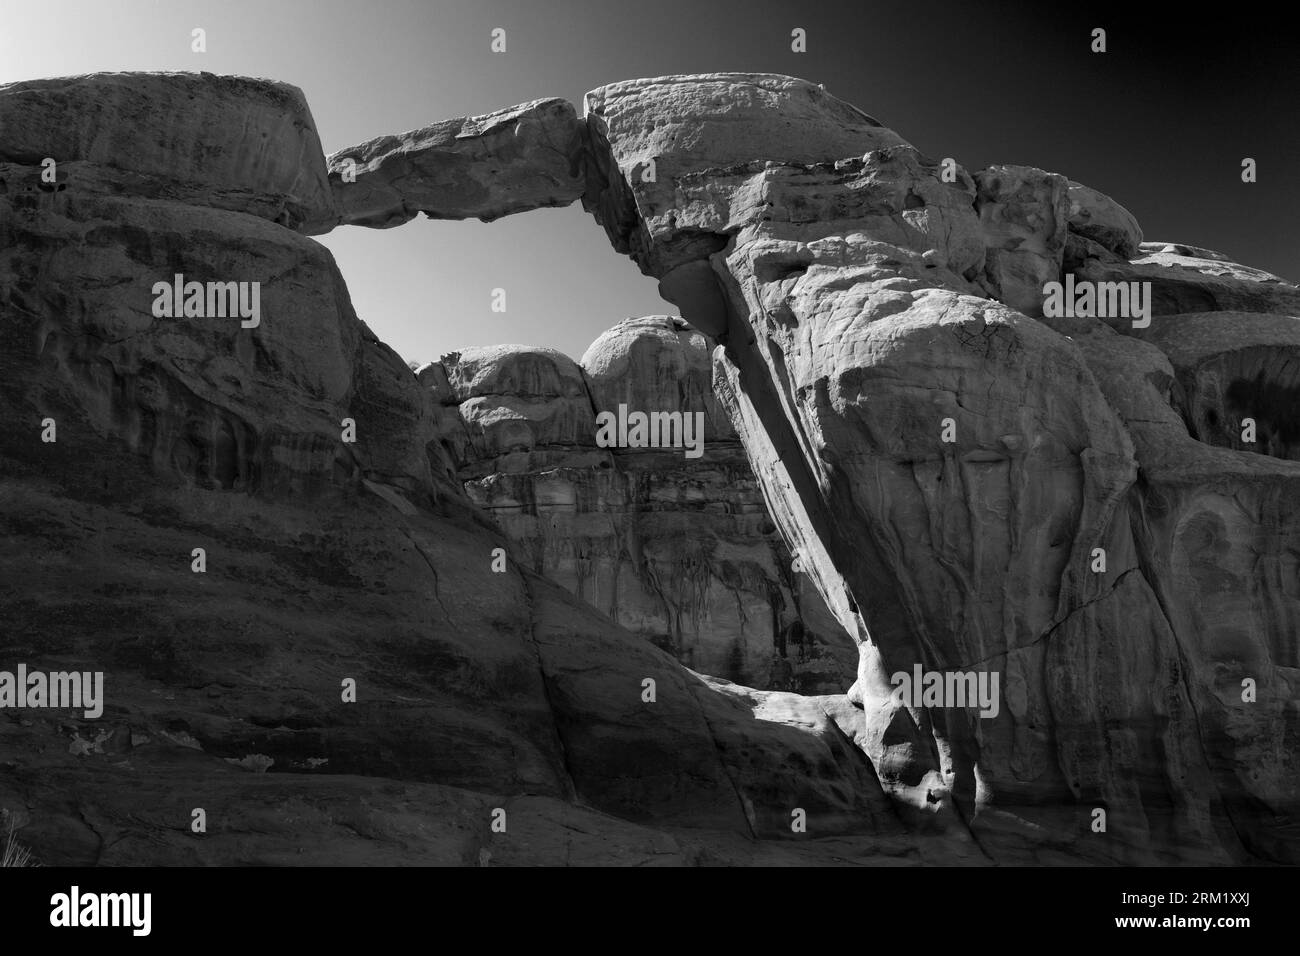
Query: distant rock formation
x=1071, y=503
x=677, y=549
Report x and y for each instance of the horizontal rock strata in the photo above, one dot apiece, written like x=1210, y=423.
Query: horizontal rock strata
x=678, y=549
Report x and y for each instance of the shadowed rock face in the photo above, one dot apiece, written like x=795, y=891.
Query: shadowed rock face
x=950, y=470
x=224, y=142
x=678, y=549
x=1237, y=378
x=1098, y=218
x=208, y=402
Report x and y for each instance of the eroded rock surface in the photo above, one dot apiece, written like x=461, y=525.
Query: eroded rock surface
x=867, y=309
x=680, y=550
x=483, y=167
x=1188, y=279
x=971, y=488
x=226, y=142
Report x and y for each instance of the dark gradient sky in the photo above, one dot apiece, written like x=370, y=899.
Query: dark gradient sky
x=1160, y=122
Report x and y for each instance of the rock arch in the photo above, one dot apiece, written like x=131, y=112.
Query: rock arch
x=857, y=300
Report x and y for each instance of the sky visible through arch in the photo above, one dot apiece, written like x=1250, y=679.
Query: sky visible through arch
x=1161, y=121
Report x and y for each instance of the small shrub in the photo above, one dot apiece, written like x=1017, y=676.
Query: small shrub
x=14, y=854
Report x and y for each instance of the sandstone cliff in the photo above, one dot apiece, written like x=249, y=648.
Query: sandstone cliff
x=947, y=462
x=865, y=303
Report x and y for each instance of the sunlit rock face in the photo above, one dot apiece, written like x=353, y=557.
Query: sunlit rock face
x=475, y=167
x=971, y=482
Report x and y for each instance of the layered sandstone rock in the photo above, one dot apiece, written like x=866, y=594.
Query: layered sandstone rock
x=678, y=549
x=1187, y=279
x=207, y=401
x=857, y=296
x=225, y=142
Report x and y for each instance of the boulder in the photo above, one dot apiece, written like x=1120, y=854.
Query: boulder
x=1095, y=216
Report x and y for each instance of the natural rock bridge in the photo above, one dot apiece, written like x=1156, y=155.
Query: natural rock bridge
x=947, y=463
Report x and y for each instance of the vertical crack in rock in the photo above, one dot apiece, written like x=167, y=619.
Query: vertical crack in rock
x=433, y=570
x=571, y=788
